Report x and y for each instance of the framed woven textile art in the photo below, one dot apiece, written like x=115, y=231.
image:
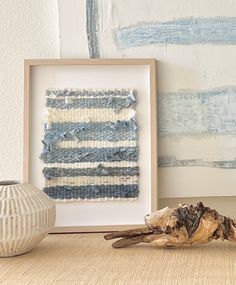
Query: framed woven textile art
x=90, y=140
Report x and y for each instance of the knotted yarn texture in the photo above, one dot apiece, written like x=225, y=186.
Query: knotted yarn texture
x=90, y=149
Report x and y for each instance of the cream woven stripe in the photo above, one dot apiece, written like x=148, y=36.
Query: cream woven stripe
x=92, y=180
x=93, y=164
x=78, y=144
x=88, y=115
x=92, y=90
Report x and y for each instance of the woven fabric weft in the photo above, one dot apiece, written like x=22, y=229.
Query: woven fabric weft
x=90, y=149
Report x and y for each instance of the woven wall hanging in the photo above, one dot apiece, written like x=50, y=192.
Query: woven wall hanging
x=90, y=146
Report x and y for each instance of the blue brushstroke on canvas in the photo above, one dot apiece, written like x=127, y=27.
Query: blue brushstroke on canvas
x=198, y=112
x=172, y=161
x=184, y=31
x=92, y=26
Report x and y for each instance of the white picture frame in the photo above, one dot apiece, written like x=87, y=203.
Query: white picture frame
x=139, y=74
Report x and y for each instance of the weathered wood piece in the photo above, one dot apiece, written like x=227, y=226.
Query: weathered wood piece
x=185, y=225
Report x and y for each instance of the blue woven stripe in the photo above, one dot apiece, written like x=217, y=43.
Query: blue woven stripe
x=118, y=126
x=72, y=155
x=109, y=102
x=92, y=191
x=102, y=131
x=50, y=173
x=87, y=93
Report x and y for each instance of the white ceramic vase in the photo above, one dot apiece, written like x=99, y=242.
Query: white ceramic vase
x=27, y=215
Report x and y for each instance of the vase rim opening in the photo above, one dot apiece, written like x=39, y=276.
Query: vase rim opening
x=8, y=182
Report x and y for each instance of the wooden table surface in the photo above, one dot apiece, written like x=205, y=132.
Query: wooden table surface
x=89, y=259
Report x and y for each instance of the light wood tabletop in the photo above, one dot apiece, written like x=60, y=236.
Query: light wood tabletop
x=89, y=259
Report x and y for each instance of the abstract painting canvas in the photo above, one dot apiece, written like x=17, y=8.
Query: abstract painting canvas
x=194, y=42
x=90, y=148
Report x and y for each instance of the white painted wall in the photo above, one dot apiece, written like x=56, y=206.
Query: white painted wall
x=28, y=29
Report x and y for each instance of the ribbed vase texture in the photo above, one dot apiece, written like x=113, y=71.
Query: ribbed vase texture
x=27, y=215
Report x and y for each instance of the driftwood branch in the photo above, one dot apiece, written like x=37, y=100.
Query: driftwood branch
x=185, y=225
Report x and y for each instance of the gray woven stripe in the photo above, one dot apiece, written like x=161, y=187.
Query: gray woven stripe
x=114, y=103
x=85, y=92
x=92, y=191
x=50, y=173
x=72, y=155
